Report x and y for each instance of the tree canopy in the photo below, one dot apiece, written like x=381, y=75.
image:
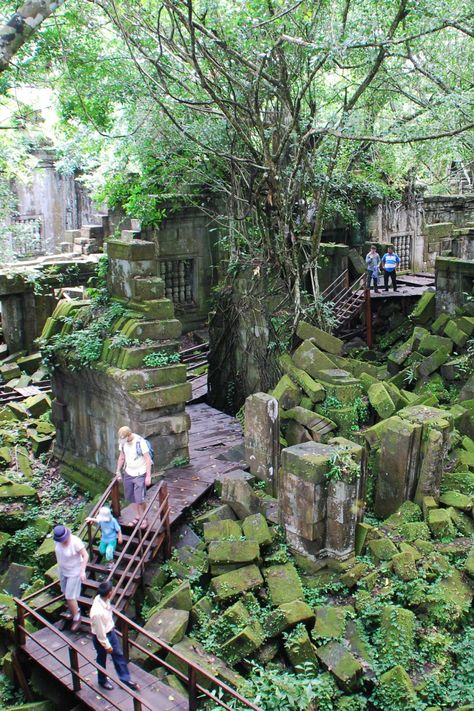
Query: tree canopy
x=273, y=116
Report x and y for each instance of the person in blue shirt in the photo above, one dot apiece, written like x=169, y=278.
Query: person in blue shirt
x=111, y=533
x=390, y=262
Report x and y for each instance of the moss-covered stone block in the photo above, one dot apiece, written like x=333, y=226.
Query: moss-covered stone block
x=323, y=340
x=236, y=582
x=449, y=600
x=433, y=362
x=456, y=500
x=37, y=405
x=310, y=359
x=218, y=513
x=162, y=396
x=428, y=503
x=440, y=523
x=243, y=643
x=456, y=334
x=313, y=390
x=424, y=311
x=396, y=684
x=288, y=615
x=221, y=530
x=283, y=583
x=352, y=576
x=382, y=549
x=255, y=528
x=299, y=649
x=287, y=393
x=439, y=323
x=463, y=523
x=331, y=621
x=404, y=565
x=169, y=624
x=430, y=343
x=381, y=401
x=17, y=491
x=193, y=651
x=233, y=552
x=342, y=664
x=179, y=598
x=413, y=531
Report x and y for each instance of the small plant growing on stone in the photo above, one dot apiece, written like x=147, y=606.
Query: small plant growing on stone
x=342, y=466
x=159, y=359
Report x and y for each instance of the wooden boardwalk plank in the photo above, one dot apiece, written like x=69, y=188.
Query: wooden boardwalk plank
x=212, y=434
x=155, y=695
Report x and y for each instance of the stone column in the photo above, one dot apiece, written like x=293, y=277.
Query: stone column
x=321, y=486
x=262, y=438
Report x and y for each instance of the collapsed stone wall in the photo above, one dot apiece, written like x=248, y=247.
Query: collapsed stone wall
x=388, y=415
x=120, y=388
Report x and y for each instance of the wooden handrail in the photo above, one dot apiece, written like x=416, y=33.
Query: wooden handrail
x=193, y=670
x=74, y=652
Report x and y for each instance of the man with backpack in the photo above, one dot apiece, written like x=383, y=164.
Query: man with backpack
x=136, y=455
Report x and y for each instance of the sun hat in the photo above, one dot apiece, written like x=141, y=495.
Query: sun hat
x=124, y=432
x=104, y=514
x=60, y=533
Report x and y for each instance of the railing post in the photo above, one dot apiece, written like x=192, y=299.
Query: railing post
x=137, y=704
x=125, y=644
x=162, y=499
x=368, y=317
x=89, y=539
x=20, y=625
x=192, y=689
x=74, y=662
x=116, y=498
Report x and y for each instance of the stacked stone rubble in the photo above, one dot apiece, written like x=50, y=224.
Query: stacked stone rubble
x=91, y=404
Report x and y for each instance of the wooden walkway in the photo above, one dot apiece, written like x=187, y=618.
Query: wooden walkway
x=407, y=285
x=212, y=437
x=51, y=652
x=216, y=447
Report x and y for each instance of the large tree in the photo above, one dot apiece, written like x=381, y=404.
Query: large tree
x=285, y=100
x=21, y=25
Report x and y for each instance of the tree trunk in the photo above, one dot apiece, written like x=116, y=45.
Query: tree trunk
x=22, y=25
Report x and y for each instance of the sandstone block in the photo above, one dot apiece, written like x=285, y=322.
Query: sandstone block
x=299, y=649
x=424, y=311
x=342, y=665
x=440, y=523
x=240, y=496
x=238, y=552
x=456, y=334
x=256, y=529
x=288, y=615
x=221, y=529
x=284, y=584
x=310, y=359
x=396, y=684
x=456, y=500
x=381, y=401
x=236, y=582
x=286, y=393
x=169, y=625
x=323, y=340
x=331, y=621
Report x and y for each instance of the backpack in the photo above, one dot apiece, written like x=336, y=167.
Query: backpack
x=151, y=451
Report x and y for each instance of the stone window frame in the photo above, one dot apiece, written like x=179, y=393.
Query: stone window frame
x=193, y=258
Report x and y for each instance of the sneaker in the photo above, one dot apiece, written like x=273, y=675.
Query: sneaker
x=109, y=565
x=107, y=685
x=132, y=685
x=76, y=624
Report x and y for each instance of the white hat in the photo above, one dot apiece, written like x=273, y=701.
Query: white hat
x=105, y=514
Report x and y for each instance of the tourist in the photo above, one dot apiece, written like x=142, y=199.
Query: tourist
x=390, y=262
x=72, y=558
x=105, y=640
x=372, y=261
x=134, y=453
x=110, y=534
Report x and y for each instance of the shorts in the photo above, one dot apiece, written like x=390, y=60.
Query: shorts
x=134, y=488
x=107, y=548
x=70, y=586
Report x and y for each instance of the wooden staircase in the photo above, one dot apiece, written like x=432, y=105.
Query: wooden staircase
x=345, y=300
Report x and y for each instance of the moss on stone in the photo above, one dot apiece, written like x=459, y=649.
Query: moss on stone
x=404, y=565
x=441, y=524
x=382, y=549
x=221, y=529
x=299, y=649
x=331, y=621
x=255, y=528
x=341, y=663
x=283, y=583
x=236, y=582
x=456, y=500
x=396, y=691
x=449, y=600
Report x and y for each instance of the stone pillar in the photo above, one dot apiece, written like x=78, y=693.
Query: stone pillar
x=411, y=450
x=321, y=486
x=398, y=465
x=262, y=438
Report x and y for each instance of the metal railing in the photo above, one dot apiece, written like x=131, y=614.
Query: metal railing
x=196, y=690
